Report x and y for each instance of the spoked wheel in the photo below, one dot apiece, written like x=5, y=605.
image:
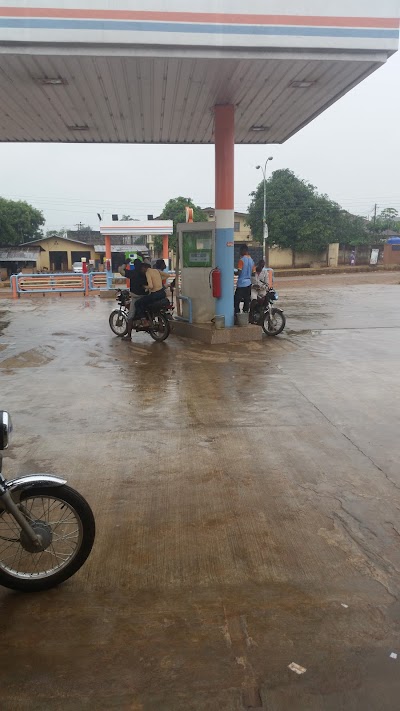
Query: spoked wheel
x=64, y=521
x=160, y=328
x=274, y=322
x=118, y=322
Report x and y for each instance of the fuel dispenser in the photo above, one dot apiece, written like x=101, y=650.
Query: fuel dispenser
x=200, y=278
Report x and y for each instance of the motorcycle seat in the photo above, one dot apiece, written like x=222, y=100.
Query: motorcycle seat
x=161, y=304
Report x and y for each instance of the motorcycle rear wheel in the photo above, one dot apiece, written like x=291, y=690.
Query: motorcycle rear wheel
x=275, y=325
x=118, y=323
x=162, y=327
x=66, y=523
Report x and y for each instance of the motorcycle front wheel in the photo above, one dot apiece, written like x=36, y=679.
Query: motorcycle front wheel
x=118, y=322
x=160, y=328
x=274, y=322
x=65, y=523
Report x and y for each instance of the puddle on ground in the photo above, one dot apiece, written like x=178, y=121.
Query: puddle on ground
x=307, y=316
x=302, y=332
x=29, y=359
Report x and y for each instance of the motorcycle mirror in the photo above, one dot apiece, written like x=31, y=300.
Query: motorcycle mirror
x=5, y=429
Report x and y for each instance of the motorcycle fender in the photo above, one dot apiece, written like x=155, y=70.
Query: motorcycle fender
x=17, y=486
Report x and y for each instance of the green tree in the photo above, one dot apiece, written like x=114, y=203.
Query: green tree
x=175, y=209
x=352, y=230
x=19, y=222
x=389, y=215
x=56, y=233
x=299, y=218
x=128, y=218
x=388, y=219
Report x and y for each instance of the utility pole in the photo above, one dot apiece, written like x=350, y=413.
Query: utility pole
x=79, y=226
x=375, y=211
x=265, y=226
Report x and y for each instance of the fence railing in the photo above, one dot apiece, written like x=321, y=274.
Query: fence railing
x=64, y=283
x=98, y=281
x=70, y=282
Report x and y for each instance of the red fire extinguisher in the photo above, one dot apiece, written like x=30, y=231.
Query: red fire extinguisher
x=215, y=283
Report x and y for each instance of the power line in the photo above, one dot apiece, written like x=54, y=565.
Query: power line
x=91, y=202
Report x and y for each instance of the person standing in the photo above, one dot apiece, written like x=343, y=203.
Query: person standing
x=137, y=287
x=246, y=269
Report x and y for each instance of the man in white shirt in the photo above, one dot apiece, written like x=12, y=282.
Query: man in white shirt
x=260, y=280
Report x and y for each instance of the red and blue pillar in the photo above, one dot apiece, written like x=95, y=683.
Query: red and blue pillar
x=224, y=207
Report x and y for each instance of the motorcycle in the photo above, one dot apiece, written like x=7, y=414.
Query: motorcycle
x=264, y=314
x=158, y=315
x=47, y=529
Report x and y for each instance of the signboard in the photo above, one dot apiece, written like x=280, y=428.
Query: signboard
x=265, y=232
x=374, y=256
x=197, y=249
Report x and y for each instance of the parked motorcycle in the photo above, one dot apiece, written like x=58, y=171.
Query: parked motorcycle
x=263, y=313
x=158, y=315
x=47, y=529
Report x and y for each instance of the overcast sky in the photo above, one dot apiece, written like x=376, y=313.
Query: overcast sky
x=351, y=152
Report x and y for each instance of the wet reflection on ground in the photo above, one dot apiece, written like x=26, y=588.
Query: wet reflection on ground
x=242, y=494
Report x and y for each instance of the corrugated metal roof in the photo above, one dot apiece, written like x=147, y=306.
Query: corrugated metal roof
x=151, y=72
x=19, y=255
x=56, y=237
x=170, y=99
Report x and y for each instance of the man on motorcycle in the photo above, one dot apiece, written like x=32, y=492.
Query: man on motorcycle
x=137, y=287
x=155, y=289
x=259, y=281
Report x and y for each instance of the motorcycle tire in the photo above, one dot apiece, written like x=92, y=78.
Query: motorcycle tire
x=162, y=333
x=70, y=502
x=274, y=329
x=120, y=329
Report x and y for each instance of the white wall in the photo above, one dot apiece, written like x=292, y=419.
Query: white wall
x=282, y=258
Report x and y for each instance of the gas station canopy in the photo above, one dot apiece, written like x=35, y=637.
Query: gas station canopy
x=133, y=228
x=151, y=71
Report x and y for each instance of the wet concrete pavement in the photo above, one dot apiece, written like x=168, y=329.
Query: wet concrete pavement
x=242, y=495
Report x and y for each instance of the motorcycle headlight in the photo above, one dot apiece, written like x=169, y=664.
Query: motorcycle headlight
x=276, y=296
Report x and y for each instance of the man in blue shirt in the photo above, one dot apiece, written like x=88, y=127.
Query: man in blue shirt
x=246, y=269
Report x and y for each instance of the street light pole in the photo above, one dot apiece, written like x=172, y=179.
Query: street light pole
x=265, y=235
